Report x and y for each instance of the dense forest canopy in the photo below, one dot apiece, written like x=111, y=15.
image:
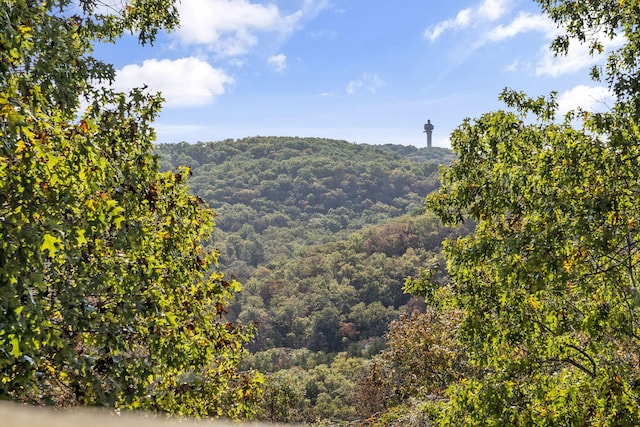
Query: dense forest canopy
x=296, y=220
x=274, y=195
x=323, y=234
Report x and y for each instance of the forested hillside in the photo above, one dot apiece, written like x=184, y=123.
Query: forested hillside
x=275, y=195
x=323, y=235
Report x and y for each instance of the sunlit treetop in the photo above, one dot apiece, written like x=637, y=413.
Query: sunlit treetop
x=46, y=47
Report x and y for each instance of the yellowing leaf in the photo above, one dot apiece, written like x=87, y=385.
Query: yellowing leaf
x=52, y=160
x=84, y=127
x=15, y=346
x=81, y=240
x=24, y=29
x=118, y=221
x=50, y=243
x=172, y=319
x=534, y=303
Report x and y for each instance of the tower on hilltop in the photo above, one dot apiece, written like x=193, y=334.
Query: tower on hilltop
x=428, y=129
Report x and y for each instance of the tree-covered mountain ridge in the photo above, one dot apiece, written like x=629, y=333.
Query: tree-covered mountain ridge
x=322, y=234
x=275, y=195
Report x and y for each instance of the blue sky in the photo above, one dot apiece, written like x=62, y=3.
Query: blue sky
x=360, y=70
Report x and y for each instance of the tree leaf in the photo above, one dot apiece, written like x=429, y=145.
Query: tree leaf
x=50, y=243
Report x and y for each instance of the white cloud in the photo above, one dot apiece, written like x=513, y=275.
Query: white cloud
x=185, y=82
x=486, y=11
x=367, y=82
x=576, y=59
x=493, y=10
x=233, y=27
x=515, y=66
x=523, y=23
x=548, y=64
x=554, y=66
x=589, y=98
x=229, y=27
x=462, y=20
x=278, y=62
x=481, y=18
x=353, y=86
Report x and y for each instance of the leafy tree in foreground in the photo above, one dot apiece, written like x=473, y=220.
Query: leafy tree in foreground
x=421, y=360
x=107, y=296
x=548, y=282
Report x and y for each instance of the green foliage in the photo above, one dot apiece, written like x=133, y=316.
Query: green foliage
x=442, y=156
x=547, y=281
x=47, y=46
x=324, y=233
x=339, y=296
x=593, y=23
x=321, y=392
x=323, y=246
x=422, y=359
x=107, y=295
x=277, y=195
x=284, y=397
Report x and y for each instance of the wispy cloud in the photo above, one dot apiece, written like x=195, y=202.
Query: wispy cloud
x=493, y=10
x=522, y=23
x=367, y=82
x=486, y=11
x=462, y=20
x=546, y=63
x=185, y=82
x=234, y=27
x=514, y=66
x=278, y=62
